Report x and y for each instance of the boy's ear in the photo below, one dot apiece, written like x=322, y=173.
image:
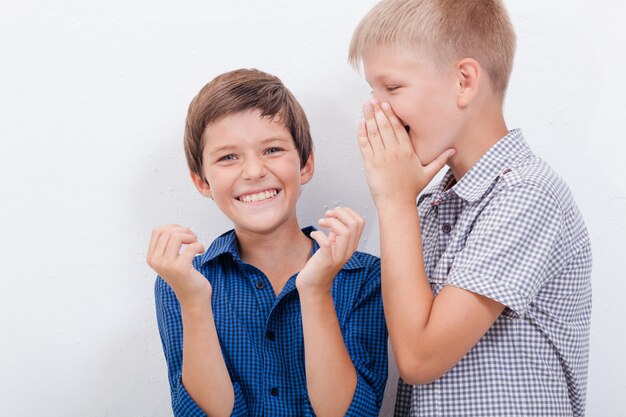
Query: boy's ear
x=469, y=77
x=306, y=172
x=202, y=186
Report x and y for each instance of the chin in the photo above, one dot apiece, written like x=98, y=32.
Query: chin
x=426, y=156
x=255, y=229
x=426, y=152
x=263, y=225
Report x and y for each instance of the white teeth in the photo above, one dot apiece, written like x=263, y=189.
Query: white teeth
x=264, y=195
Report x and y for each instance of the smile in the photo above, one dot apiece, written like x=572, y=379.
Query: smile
x=260, y=196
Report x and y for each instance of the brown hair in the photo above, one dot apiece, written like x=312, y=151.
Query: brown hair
x=240, y=90
x=446, y=30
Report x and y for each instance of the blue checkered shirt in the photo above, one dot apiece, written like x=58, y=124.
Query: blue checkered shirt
x=510, y=230
x=261, y=334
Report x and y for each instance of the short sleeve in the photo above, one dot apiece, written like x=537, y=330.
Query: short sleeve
x=365, y=335
x=513, y=248
x=403, y=399
x=171, y=331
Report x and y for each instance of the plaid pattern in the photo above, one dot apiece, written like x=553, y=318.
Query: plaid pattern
x=261, y=334
x=510, y=230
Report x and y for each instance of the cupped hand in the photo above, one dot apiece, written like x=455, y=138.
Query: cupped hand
x=175, y=267
x=335, y=249
x=393, y=170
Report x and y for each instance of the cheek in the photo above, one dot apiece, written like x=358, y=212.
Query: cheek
x=219, y=181
x=403, y=109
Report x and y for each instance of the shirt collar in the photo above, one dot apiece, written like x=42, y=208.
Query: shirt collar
x=495, y=162
x=224, y=244
x=227, y=244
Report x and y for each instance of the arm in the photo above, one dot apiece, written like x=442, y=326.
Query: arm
x=204, y=376
x=428, y=334
x=365, y=336
x=330, y=374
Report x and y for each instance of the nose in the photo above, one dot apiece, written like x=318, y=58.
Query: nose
x=253, y=168
x=380, y=96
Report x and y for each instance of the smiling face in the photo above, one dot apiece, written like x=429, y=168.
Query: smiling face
x=253, y=171
x=423, y=96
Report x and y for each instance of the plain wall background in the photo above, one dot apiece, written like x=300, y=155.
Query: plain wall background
x=93, y=97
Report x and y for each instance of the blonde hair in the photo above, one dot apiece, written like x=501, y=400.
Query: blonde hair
x=446, y=30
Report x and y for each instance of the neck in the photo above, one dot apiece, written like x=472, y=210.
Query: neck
x=480, y=134
x=286, y=246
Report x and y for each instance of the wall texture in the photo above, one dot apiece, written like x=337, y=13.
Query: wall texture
x=93, y=97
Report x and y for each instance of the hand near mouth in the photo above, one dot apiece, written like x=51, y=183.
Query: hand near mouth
x=344, y=231
x=393, y=170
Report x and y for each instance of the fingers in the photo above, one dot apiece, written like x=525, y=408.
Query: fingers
x=347, y=225
x=154, y=238
x=435, y=166
x=340, y=230
x=381, y=128
x=364, y=142
x=352, y=220
x=398, y=127
x=191, y=251
x=176, y=242
x=371, y=128
x=159, y=250
x=166, y=242
x=322, y=240
x=385, y=128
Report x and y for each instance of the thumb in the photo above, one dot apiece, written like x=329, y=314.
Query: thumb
x=435, y=166
x=322, y=240
x=191, y=251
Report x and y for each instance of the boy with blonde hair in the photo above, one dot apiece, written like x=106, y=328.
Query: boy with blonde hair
x=272, y=319
x=486, y=284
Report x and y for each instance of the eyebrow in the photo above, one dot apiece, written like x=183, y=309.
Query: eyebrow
x=381, y=78
x=276, y=138
x=221, y=149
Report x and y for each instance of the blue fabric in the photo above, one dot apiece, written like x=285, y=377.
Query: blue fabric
x=261, y=334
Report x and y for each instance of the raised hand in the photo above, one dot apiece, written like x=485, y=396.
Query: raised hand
x=394, y=172
x=344, y=231
x=175, y=267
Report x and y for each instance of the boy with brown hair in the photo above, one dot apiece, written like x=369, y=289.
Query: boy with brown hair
x=487, y=283
x=272, y=319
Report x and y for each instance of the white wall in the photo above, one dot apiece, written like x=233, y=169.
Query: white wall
x=93, y=97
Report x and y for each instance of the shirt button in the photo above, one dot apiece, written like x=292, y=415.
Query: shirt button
x=446, y=228
x=274, y=392
x=270, y=335
x=260, y=285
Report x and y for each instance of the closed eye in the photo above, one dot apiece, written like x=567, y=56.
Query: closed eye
x=391, y=88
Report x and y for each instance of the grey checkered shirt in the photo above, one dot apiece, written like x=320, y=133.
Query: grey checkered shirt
x=510, y=230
